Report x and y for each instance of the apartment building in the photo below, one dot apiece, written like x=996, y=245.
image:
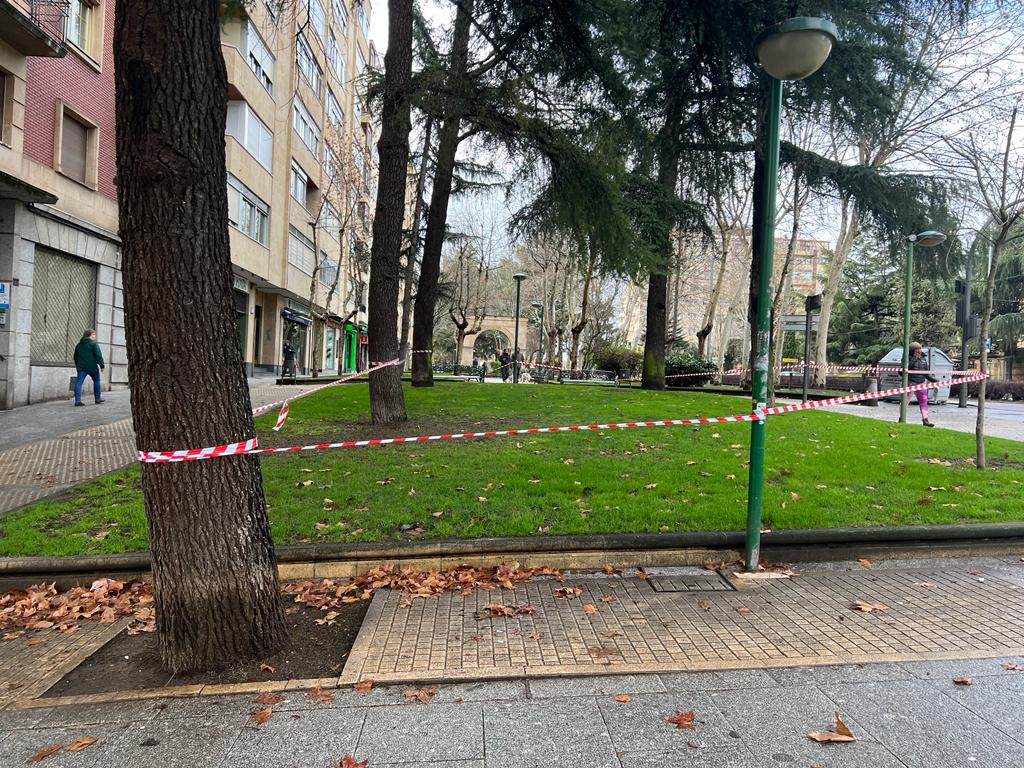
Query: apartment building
x=301, y=163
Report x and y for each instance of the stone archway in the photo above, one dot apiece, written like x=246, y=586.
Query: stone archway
x=488, y=344
x=506, y=326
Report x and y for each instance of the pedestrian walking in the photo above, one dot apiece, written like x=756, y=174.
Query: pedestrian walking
x=918, y=362
x=504, y=359
x=89, y=363
x=289, y=358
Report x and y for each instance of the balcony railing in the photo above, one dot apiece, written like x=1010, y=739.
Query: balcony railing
x=51, y=16
x=34, y=27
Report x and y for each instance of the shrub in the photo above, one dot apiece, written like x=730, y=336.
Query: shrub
x=618, y=359
x=676, y=364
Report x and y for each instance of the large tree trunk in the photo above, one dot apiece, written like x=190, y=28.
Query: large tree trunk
x=214, y=570
x=849, y=229
x=414, y=243
x=579, y=325
x=387, y=402
x=441, y=190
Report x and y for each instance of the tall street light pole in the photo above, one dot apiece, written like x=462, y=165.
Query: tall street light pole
x=518, y=277
x=540, y=341
x=928, y=238
x=791, y=50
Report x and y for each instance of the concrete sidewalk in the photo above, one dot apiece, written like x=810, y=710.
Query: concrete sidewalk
x=54, y=446
x=904, y=713
x=1003, y=418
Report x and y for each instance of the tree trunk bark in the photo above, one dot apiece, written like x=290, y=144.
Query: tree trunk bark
x=441, y=190
x=709, y=311
x=387, y=402
x=848, y=232
x=214, y=569
x=986, y=313
x=781, y=297
x=414, y=243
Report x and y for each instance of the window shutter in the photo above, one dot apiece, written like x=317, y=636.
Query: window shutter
x=73, y=148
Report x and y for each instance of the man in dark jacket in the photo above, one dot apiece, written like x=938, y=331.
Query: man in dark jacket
x=89, y=362
x=918, y=362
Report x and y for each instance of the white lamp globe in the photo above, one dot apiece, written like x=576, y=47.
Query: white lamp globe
x=795, y=48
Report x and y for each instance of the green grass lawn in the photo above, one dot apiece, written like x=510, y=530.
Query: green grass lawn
x=823, y=469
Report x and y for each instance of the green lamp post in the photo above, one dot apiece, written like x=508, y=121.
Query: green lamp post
x=791, y=50
x=927, y=239
x=518, y=277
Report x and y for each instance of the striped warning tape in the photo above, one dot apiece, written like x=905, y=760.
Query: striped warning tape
x=158, y=457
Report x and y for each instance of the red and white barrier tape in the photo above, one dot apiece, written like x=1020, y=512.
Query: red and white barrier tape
x=283, y=414
x=420, y=351
x=160, y=457
x=818, y=366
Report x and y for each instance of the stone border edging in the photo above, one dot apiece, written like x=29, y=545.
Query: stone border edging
x=514, y=546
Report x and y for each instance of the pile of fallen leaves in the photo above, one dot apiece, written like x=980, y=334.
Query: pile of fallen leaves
x=465, y=579
x=43, y=606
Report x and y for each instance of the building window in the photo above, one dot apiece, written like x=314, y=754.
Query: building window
x=364, y=21
x=306, y=128
x=79, y=25
x=250, y=132
x=328, y=162
x=299, y=183
x=6, y=107
x=76, y=146
x=334, y=113
x=300, y=251
x=340, y=14
x=63, y=306
x=328, y=270
x=261, y=61
x=307, y=64
x=247, y=212
x=330, y=222
x=317, y=19
x=334, y=57
x=360, y=62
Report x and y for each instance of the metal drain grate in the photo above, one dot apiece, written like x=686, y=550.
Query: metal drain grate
x=690, y=584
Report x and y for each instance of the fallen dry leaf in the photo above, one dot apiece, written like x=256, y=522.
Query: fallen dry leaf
x=600, y=652
x=269, y=698
x=841, y=734
x=363, y=685
x=264, y=667
x=588, y=608
x=79, y=744
x=45, y=752
x=319, y=696
x=350, y=762
x=682, y=719
x=622, y=698
x=534, y=636
x=963, y=680
x=611, y=569
x=1013, y=666
x=866, y=607
x=568, y=592
x=642, y=574
x=422, y=695
x=650, y=486
x=607, y=598
x=742, y=609
x=260, y=716
x=927, y=584
x=865, y=562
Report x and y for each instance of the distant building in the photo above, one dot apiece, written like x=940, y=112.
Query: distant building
x=301, y=170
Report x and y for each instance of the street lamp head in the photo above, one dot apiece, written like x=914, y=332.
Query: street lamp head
x=927, y=238
x=537, y=305
x=519, y=277
x=795, y=48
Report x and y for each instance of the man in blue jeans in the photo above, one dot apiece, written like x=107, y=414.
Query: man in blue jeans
x=89, y=362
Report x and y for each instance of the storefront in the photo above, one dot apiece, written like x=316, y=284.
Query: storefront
x=354, y=353
x=240, y=301
x=296, y=331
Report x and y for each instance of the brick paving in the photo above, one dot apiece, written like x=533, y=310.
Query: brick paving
x=46, y=467
x=31, y=662
x=932, y=613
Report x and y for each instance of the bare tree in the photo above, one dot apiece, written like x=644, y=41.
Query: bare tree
x=991, y=160
x=469, y=272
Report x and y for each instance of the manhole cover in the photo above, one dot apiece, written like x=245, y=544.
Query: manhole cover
x=689, y=584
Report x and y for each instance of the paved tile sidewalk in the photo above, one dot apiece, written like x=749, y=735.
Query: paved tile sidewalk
x=625, y=625
x=903, y=715
x=41, y=468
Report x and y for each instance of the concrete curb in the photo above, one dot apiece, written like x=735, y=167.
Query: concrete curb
x=807, y=540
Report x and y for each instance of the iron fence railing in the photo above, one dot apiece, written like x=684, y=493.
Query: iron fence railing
x=51, y=16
